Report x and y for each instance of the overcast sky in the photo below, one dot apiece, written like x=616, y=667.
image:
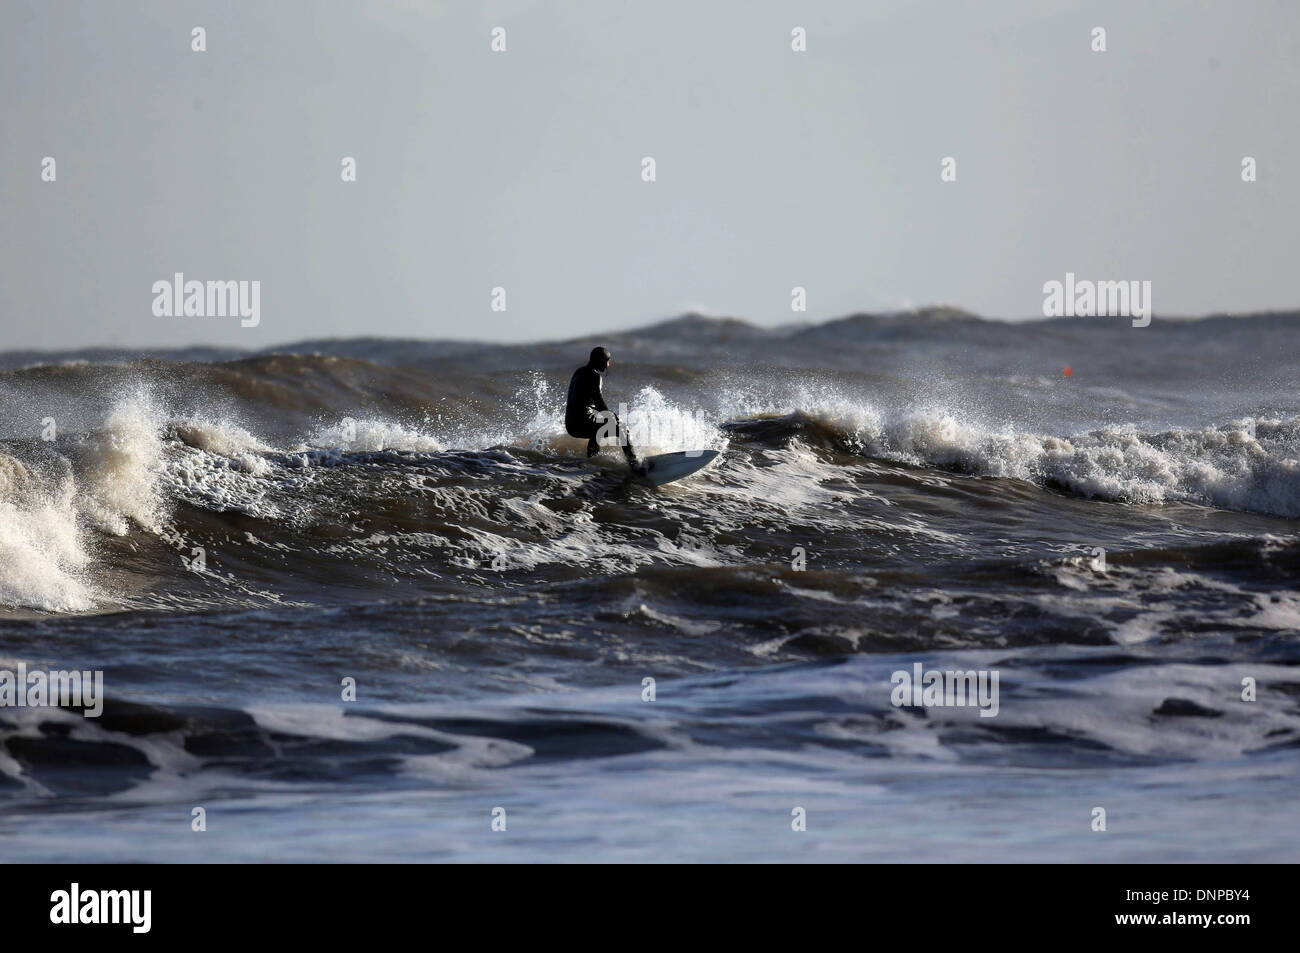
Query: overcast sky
x=522, y=169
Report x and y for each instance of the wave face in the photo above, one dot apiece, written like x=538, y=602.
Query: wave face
x=228, y=536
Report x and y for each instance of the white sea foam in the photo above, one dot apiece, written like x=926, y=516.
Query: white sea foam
x=43, y=555
x=371, y=435
x=118, y=468
x=108, y=482
x=1249, y=464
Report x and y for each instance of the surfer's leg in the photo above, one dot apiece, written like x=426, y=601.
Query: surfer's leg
x=625, y=442
x=606, y=424
x=590, y=429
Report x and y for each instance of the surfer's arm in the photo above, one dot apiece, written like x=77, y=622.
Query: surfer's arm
x=597, y=399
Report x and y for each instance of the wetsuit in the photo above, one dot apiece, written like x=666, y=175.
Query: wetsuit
x=585, y=412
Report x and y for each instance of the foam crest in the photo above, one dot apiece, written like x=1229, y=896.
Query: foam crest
x=371, y=435
x=118, y=468
x=42, y=554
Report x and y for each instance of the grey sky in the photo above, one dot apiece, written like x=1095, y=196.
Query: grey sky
x=522, y=169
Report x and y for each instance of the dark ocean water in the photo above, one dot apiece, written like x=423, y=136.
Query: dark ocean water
x=229, y=537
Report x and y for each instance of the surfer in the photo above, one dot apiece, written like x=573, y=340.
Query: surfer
x=585, y=414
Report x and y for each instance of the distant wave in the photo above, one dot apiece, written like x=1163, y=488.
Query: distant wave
x=696, y=337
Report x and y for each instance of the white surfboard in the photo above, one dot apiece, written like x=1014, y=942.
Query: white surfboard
x=666, y=467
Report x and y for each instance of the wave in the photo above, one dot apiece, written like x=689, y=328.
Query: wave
x=1064, y=712
x=457, y=486
x=1251, y=464
x=43, y=559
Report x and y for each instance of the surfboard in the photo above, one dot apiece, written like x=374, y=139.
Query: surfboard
x=666, y=467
